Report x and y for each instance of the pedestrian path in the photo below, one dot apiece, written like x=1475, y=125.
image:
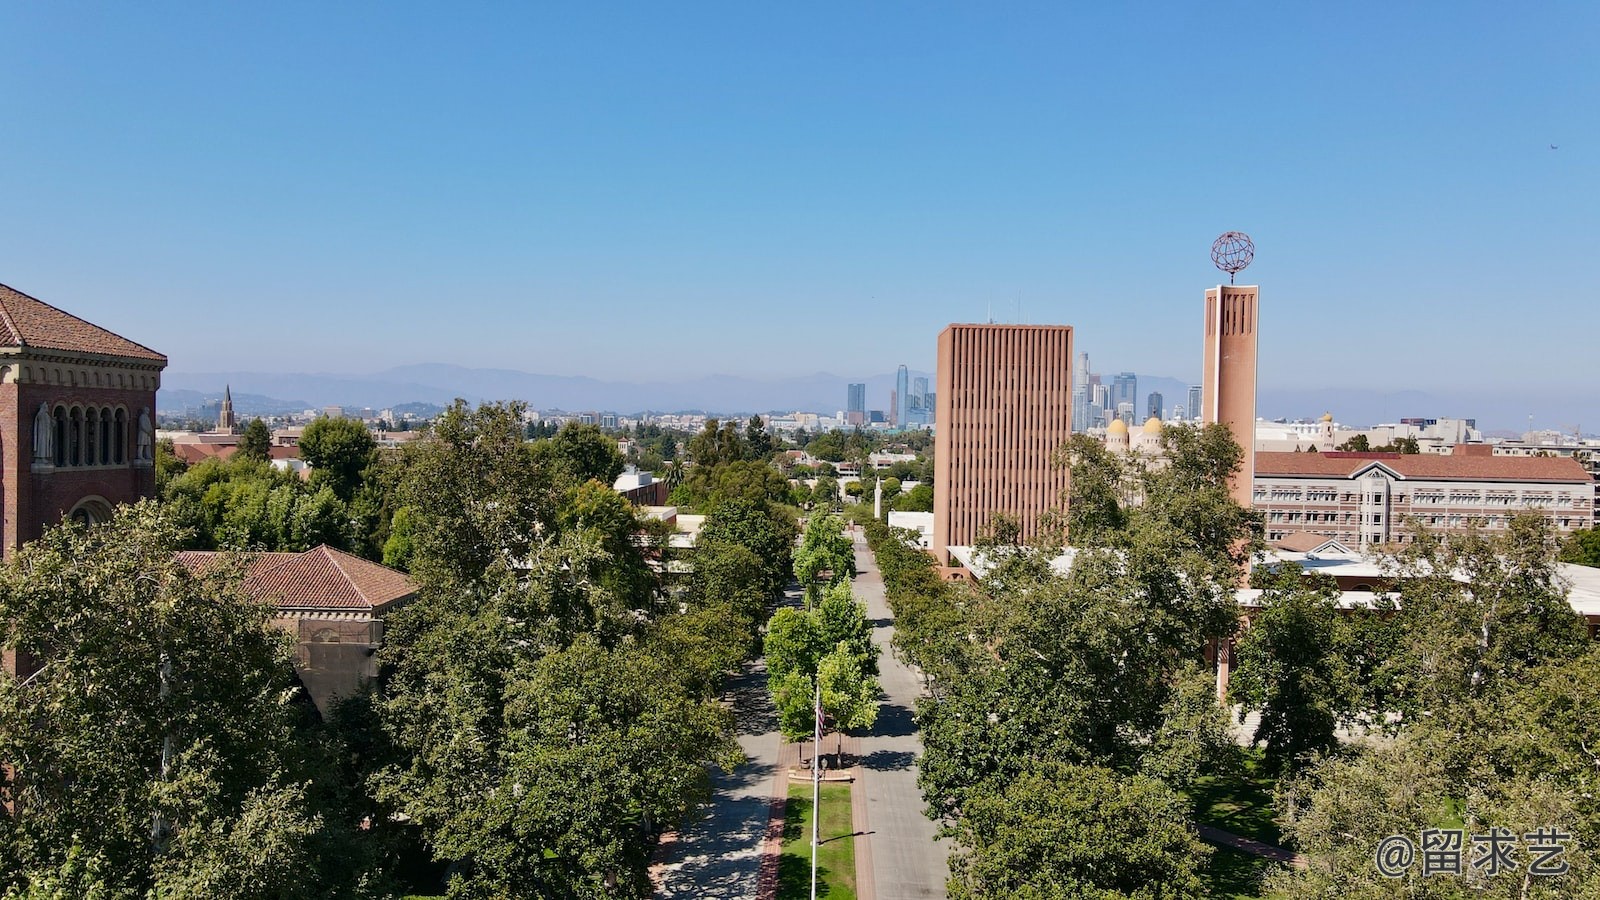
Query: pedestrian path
x=722, y=855
x=898, y=856
x=1251, y=846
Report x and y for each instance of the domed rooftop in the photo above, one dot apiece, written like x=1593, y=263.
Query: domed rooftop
x=1326, y=417
x=1152, y=425
x=1117, y=426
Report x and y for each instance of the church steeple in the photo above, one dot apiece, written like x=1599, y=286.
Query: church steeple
x=225, y=420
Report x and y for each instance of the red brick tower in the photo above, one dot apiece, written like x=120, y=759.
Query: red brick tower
x=1228, y=392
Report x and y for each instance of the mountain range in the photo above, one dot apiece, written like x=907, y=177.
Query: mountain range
x=267, y=393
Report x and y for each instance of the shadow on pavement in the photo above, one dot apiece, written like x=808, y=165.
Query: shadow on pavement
x=889, y=760
x=894, y=720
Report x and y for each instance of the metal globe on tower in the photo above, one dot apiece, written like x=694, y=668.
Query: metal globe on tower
x=1233, y=252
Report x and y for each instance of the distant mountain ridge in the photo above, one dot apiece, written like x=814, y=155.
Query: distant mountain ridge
x=442, y=383
x=1563, y=406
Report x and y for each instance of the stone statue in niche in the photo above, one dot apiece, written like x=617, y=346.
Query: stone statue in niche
x=146, y=446
x=44, y=436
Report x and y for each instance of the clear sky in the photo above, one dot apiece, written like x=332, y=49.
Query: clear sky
x=677, y=189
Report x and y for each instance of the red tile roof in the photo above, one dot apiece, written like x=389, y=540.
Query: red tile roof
x=29, y=322
x=320, y=578
x=1424, y=466
x=192, y=453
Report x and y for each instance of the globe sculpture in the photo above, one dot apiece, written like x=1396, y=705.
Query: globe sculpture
x=1233, y=252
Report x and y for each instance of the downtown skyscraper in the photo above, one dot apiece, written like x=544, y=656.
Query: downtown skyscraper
x=856, y=404
x=902, y=398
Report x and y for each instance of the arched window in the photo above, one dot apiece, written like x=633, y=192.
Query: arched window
x=105, y=436
x=61, y=436
x=325, y=636
x=91, y=439
x=122, y=435
x=75, y=436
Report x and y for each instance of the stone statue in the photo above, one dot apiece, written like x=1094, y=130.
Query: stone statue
x=44, y=436
x=146, y=447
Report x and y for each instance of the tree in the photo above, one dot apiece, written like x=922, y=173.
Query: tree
x=1096, y=492
x=1582, y=547
x=1065, y=831
x=824, y=548
x=759, y=527
x=243, y=504
x=1357, y=444
x=153, y=749
x=831, y=645
x=756, y=437
x=397, y=549
x=918, y=499
x=582, y=453
x=481, y=497
x=338, y=451
x=550, y=718
x=256, y=442
x=1476, y=610
x=1289, y=665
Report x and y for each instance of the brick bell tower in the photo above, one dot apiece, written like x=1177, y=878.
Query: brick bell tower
x=77, y=418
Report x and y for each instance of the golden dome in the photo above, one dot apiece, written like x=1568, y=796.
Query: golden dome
x=1327, y=417
x=1117, y=426
x=1152, y=425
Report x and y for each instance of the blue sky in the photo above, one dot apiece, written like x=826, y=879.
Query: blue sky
x=666, y=190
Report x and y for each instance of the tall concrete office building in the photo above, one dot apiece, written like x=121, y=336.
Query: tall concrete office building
x=1156, y=407
x=1228, y=391
x=1081, y=396
x=1004, y=395
x=1125, y=389
x=1194, y=401
x=856, y=404
x=902, y=401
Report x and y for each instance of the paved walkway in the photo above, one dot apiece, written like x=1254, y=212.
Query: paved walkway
x=720, y=856
x=1249, y=845
x=899, y=850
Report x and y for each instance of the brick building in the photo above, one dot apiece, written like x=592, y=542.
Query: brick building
x=77, y=418
x=1004, y=401
x=333, y=603
x=1362, y=499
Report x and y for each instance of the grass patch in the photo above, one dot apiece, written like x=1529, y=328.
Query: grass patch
x=1235, y=875
x=1240, y=803
x=836, y=858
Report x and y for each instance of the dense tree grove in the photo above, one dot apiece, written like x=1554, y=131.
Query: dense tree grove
x=161, y=748
x=548, y=704
x=1475, y=666
x=542, y=633
x=1036, y=677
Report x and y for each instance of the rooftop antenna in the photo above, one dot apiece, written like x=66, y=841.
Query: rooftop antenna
x=991, y=312
x=1232, y=252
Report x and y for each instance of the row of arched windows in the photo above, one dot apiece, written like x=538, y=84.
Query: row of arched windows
x=92, y=436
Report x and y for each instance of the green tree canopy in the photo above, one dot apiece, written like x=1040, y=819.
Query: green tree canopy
x=338, y=451
x=256, y=442
x=153, y=752
x=1063, y=831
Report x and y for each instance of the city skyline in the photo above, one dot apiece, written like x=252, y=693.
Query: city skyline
x=519, y=175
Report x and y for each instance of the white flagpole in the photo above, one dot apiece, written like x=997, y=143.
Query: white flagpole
x=816, y=780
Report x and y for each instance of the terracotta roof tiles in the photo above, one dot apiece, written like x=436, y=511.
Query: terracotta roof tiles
x=1424, y=466
x=29, y=322
x=320, y=578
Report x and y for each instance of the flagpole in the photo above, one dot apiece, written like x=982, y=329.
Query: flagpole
x=816, y=752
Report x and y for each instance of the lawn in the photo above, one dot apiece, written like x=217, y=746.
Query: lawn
x=1240, y=803
x=1234, y=875
x=836, y=859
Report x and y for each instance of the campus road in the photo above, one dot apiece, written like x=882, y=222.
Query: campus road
x=907, y=863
